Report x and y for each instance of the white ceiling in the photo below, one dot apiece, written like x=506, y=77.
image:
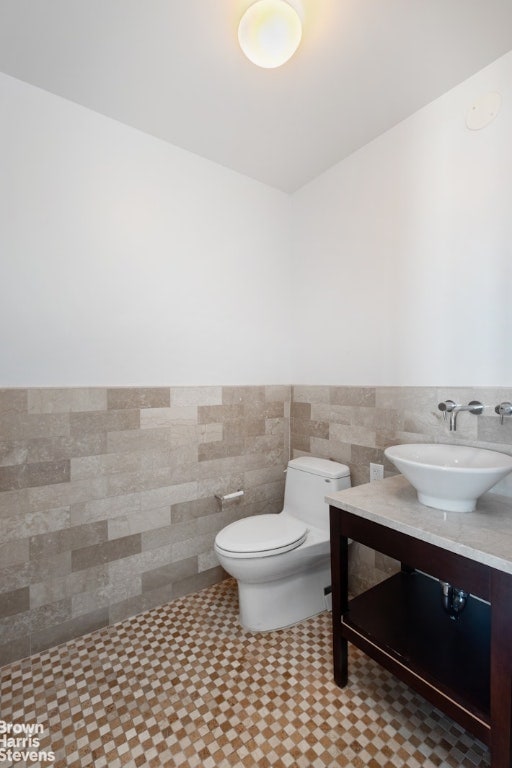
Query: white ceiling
x=173, y=69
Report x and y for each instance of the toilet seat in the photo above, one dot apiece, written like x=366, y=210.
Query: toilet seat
x=261, y=536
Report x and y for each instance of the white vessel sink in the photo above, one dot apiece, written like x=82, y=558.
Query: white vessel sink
x=449, y=477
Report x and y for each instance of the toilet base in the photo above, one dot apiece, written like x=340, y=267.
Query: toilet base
x=281, y=603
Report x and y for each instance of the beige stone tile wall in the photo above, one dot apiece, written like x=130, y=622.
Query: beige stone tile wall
x=107, y=498
x=355, y=424
x=107, y=495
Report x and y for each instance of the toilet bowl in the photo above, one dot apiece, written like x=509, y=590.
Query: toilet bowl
x=282, y=561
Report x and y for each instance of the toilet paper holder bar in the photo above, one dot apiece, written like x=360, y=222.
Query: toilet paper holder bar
x=229, y=496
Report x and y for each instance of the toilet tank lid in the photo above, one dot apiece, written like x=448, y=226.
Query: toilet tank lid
x=322, y=467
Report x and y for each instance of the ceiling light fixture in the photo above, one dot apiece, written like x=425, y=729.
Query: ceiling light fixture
x=269, y=33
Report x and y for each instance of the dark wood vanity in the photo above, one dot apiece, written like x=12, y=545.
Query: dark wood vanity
x=462, y=666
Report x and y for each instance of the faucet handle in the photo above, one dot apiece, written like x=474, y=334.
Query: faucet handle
x=504, y=409
x=447, y=406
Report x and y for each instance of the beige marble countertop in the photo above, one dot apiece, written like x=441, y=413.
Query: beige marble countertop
x=484, y=535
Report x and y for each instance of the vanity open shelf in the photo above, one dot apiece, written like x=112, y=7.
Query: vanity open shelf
x=462, y=666
x=403, y=619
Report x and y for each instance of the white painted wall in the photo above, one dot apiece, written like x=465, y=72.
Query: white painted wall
x=127, y=261
x=403, y=252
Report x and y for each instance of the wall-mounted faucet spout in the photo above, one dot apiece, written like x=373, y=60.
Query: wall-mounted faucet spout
x=449, y=406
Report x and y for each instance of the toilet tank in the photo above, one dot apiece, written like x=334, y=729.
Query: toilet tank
x=308, y=481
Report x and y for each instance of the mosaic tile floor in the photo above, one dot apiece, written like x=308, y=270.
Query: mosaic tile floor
x=184, y=685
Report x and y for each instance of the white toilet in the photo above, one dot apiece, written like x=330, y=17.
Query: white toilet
x=282, y=562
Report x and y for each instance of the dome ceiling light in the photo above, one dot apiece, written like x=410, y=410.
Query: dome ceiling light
x=269, y=33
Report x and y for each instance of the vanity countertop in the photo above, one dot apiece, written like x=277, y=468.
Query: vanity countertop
x=484, y=535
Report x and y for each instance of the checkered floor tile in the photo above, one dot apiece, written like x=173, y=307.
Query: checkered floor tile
x=184, y=685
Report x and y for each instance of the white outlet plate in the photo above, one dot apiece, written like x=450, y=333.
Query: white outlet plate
x=376, y=472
